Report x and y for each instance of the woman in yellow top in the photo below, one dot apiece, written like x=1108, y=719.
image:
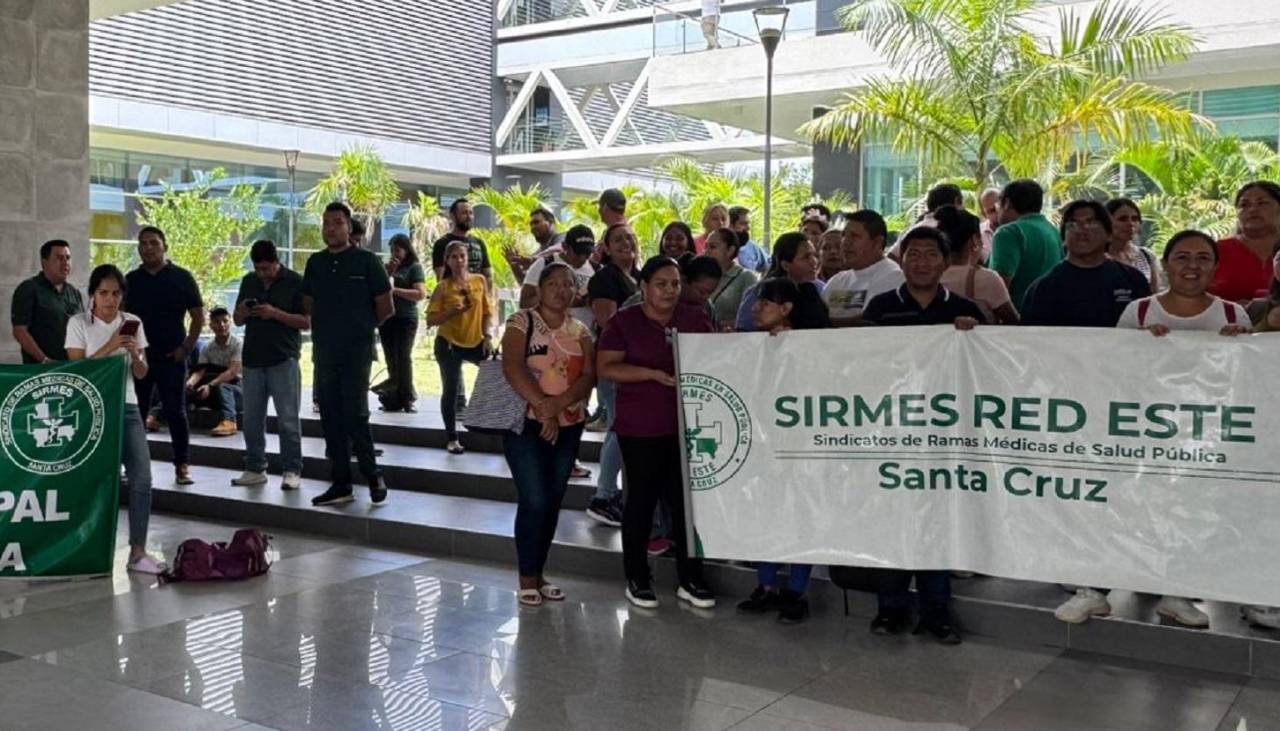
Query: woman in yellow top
x=464, y=314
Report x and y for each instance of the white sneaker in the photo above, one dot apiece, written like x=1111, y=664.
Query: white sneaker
x=1182, y=611
x=1268, y=617
x=1085, y=604
x=291, y=481
x=249, y=479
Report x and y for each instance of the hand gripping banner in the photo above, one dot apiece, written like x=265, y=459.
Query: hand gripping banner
x=60, y=467
x=1103, y=458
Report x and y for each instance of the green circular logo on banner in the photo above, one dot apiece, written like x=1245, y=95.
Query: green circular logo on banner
x=717, y=430
x=51, y=423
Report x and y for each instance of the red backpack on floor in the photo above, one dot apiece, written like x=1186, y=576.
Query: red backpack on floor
x=245, y=556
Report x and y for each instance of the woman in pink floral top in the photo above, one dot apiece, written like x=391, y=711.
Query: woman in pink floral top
x=549, y=361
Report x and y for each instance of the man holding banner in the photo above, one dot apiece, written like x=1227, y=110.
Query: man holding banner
x=43, y=304
x=922, y=300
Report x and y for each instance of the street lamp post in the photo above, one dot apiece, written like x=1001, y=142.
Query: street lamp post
x=770, y=22
x=291, y=162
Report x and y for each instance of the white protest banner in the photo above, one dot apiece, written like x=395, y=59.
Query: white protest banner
x=1094, y=457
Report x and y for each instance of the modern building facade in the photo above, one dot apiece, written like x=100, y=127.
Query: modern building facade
x=1232, y=80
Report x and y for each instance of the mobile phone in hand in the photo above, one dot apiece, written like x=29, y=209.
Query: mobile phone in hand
x=129, y=328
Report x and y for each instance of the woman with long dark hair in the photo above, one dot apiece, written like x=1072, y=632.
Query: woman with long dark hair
x=783, y=305
x=101, y=333
x=1126, y=226
x=1245, y=268
x=676, y=240
x=793, y=258
x=464, y=313
x=408, y=290
x=550, y=362
x=635, y=352
x=607, y=292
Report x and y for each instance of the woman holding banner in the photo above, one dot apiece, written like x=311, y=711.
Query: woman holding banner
x=783, y=305
x=107, y=331
x=1190, y=262
x=636, y=353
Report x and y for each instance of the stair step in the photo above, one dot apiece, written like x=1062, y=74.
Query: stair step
x=471, y=527
x=422, y=429
x=407, y=468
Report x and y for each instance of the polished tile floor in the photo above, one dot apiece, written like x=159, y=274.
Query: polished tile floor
x=346, y=637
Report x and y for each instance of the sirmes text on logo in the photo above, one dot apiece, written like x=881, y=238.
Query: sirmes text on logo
x=51, y=423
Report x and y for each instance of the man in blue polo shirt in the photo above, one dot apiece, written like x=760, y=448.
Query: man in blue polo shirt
x=347, y=293
x=163, y=294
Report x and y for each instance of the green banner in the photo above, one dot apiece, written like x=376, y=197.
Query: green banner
x=60, y=437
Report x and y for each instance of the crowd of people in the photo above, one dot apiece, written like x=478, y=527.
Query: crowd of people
x=596, y=317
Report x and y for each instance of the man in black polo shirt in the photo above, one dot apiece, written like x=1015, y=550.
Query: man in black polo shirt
x=464, y=218
x=43, y=304
x=162, y=294
x=921, y=300
x=1088, y=288
x=270, y=307
x=347, y=293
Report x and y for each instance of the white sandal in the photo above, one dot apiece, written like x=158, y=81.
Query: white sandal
x=530, y=597
x=551, y=592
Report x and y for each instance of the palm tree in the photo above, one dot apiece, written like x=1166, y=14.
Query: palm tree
x=363, y=181
x=1193, y=181
x=973, y=86
x=426, y=222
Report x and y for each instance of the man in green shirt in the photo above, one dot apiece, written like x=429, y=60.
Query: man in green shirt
x=1027, y=245
x=271, y=309
x=347, y=294
x=43, y=304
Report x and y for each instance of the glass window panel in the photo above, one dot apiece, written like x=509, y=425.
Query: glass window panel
x=1242, y=102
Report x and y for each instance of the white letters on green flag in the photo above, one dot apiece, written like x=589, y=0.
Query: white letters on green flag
x=1093, y=457
x=60, y=467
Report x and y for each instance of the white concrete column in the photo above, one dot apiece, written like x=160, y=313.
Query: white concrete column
x=44, y=141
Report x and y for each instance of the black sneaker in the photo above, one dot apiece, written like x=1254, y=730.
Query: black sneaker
x=335, y=495
x=793, y=608
x=889, y=622
x=761, y=600
x=696, y=594
x=377, y=490
x=642, y=595
x=941, y=629
x=603, y=512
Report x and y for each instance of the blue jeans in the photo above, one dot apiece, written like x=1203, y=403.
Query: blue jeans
x=231, y=397
x=136, y=456
x=281, y=384
x=541, y=473
x=610, y=452
x=797, y=580
x=932, y=587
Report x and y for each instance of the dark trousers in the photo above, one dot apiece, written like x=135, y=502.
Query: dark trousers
x=541, y=473
x=169, y=380
x=450, y=358
x=397, y=336
x=654, y=475
x=342, y=388
x=933, y=589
